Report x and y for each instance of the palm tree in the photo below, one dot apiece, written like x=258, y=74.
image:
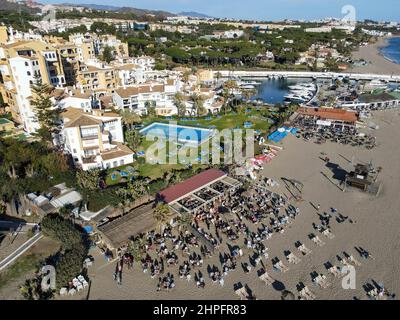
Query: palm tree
x=160, y=214
x=184, y=221
x=11, y=172
x=186, y=76
x=133, y=138
x=30, y=170
x=225, y=95
x=137, y=189
x=178, y=101
x=176, y=178
x=137, y=247
x=3, y=207
x=218, y=76
x=198, y=104
x=129, y=118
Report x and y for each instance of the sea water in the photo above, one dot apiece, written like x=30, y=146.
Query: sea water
x=392, y=50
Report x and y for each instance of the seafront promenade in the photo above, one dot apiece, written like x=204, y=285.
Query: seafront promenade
x=308, y=74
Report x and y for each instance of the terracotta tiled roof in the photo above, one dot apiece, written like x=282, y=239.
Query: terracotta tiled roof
x=120, y=151
x=83, y=120
x=134, y=90
x=190, y=185
x=329, y=114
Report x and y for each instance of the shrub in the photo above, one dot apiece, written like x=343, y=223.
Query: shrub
x=74, y=247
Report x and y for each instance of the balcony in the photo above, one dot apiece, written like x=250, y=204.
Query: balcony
x=88, y=160
x=89, y=136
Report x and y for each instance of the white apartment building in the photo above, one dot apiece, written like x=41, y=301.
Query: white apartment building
x=94, y=139
x=22, y=61
x=137, y=98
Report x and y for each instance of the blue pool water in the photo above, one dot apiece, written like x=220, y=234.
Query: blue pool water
x=392, y=50
x=181, y=133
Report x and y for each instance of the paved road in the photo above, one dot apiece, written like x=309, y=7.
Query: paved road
x=307, y=74
x=15, y=225
x=24, y=247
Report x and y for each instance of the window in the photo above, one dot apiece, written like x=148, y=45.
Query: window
x=28, y=73
x=89, y=132
x=121, y=163
x=26, y=63
x=74, y=151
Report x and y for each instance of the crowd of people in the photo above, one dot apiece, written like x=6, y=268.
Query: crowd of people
x=308, y=130
x=242, y=219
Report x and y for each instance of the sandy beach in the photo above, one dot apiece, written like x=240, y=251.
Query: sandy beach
x=375, y=229
x=378, y=64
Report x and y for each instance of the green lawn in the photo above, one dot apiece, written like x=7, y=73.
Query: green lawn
x=228, y=121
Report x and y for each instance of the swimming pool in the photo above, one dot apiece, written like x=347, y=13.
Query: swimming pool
x=183, y=134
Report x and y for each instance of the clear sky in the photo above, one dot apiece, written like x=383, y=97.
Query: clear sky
x=264, y=9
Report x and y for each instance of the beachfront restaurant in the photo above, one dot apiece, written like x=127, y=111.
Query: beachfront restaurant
x=199, y=191
x=327, y=117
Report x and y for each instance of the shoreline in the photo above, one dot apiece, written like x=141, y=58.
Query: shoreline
x=378, y=63
x=386, y=43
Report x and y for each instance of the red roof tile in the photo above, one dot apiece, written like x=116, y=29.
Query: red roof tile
x=192, y=184
x=330, y=114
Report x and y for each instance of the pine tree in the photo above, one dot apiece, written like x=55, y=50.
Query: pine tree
x=47, y=115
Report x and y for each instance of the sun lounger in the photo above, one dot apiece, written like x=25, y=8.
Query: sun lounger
x=351, y=259
x=307, y=294
x=318, y=241
x=328, y=234
x=373, y=293
x=63, y=291
x=293, y=259
x=281, y=267
x=304, y=250
x=343, y=261
x=266, y=279
x=242, y=293
x=322, y=281
x=71, y=292
x=335, y=271
x=79, y=287
x=75, y=282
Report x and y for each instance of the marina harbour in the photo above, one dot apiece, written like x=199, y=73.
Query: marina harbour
x=274, y=91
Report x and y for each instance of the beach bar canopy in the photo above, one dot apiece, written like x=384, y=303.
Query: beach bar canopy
x=197, y=191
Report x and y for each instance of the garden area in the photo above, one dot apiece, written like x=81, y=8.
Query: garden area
x=249, y=118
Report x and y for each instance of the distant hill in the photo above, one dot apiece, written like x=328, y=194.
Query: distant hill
x=94, y=6
x=193, y=14
x=138, y=12
x=13, y=6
